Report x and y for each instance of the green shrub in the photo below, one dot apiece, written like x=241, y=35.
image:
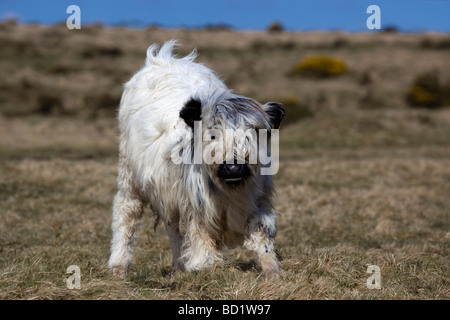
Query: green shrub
x=48, y=103
x=390, y=29
x=446, y=93
x=8, y=24
x=218, y=27
x=295, y=110
x=102, y=103
x=320, y=67
x=275, y=26
x=101, y=51
x=430, y=43
x=426, y=92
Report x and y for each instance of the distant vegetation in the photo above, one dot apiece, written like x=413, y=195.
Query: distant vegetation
x=320, y=66
x=430, y=43
x=427, y=91
x=295, y=110
x=275, y=26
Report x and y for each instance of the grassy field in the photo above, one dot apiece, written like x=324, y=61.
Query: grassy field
x=364, y=179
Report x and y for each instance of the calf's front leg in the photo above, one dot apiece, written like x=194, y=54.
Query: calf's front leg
x=261, y=233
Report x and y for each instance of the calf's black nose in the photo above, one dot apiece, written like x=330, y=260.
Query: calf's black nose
x=234, y=170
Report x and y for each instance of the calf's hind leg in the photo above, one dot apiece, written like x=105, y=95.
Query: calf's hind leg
x=127, y=214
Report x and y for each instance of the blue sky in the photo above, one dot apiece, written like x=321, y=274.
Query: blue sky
x=347, y=15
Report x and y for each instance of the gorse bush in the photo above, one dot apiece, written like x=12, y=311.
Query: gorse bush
x=275, y=26
x=440, y=44
x=319, y=67
x=295, y=110
x=446, y=93
x=427, y=92
x=48, y=103
x=102, y=103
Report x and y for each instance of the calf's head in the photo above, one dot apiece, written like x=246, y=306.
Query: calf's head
x=232, y=132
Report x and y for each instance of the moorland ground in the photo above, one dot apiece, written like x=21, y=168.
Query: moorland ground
x=364, y=178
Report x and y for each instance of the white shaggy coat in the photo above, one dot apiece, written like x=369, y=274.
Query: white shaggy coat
x=201, y=213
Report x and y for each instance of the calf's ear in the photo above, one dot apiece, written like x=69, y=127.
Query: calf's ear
x=192, y=111
x=275, y=111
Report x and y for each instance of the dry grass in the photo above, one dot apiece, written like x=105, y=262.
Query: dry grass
x=358, y=186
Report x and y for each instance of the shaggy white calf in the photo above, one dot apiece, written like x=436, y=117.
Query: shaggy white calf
x=175, y=118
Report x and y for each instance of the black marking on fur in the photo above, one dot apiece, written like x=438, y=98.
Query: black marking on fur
x=192, y=111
